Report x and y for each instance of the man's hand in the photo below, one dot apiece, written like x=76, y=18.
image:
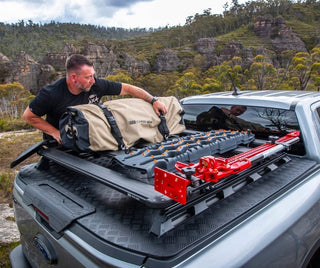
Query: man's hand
x=159, y=108
x=56, y=136
x=233, y=117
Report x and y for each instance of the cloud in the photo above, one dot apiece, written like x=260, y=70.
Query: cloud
x=101, y=12
x=26, y=1
x=108, y=13
x=121, y=3
x=84, y=11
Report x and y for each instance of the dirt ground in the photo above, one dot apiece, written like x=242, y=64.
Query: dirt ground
x=8, y=228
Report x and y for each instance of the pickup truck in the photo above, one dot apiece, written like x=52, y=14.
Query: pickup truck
x=114, y=209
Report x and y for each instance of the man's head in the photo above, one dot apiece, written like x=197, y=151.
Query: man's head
x=76, y=61
x=80, y=72
x=238, y=109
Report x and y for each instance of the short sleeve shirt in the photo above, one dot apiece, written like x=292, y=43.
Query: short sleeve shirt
x=52, y=100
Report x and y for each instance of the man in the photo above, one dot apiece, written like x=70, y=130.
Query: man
x=78, y=87
x=234, y=111
x=224, y=118
x=220, y=118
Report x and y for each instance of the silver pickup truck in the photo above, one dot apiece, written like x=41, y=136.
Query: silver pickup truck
x=258, y=206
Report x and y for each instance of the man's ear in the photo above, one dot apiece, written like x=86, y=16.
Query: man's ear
x=73, y=77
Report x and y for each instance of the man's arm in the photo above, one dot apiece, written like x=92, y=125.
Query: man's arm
x=140, y=93
x=41, y=124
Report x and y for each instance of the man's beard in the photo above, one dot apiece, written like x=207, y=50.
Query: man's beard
x=83, y=88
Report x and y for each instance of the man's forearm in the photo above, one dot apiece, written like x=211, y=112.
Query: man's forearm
x=41, y=124
x=136, y=92
x=140, y=93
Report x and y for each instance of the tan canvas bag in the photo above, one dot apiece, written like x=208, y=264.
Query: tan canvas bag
x=135, y=118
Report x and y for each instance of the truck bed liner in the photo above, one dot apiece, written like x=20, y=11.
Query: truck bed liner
x=122, y=222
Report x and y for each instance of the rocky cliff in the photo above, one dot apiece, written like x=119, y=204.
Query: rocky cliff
x=107, y=59
x=5, y=69
x=279, y=33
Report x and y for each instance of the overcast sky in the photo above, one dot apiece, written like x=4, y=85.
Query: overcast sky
x=109, y=13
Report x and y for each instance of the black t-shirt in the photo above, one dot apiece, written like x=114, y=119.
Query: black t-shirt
x=53, y=99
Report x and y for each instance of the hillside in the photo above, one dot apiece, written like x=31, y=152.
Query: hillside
x=259, y=43
x=36, y=39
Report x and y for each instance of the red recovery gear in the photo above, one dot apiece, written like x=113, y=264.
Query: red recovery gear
x=212, y=169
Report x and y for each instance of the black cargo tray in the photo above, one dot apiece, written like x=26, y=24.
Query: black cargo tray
x=138, y=190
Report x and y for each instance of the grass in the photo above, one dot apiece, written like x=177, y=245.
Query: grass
x=246, y=36
x=13, y=124
x=4, y=254
x=6, y=178
x=11, y=145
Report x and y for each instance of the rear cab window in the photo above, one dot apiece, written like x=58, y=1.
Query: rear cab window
x=262, y=121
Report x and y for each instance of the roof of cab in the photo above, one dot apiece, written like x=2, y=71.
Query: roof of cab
x=270, y=98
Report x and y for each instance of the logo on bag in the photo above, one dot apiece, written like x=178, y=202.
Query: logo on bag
x=142, y=122
x=71, y=132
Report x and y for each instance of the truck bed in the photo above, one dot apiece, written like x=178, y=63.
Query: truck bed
x=119, y=225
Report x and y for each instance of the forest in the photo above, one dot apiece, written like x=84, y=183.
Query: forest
x=295, y=71
x=37, y=39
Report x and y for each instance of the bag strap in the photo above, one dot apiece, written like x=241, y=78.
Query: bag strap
x=163, y=128
x=73, y=131
x=115, y=131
